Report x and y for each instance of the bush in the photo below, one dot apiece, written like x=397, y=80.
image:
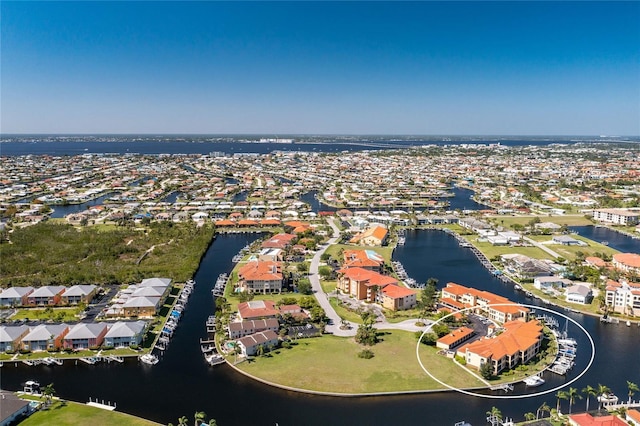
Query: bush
x=365, y=353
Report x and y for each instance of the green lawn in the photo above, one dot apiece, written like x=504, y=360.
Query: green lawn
x=570, y=220
x=328, y=286
x=331, y=364
x=45, y=314
x=343, y=312
x=569, y=252
x=492, y=251
x=73, y=414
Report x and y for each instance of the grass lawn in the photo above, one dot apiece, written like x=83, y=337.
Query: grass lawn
x=73, y=414
x=343, y=312
x=492, y=251
x=592, y=308
x=334, y=249
x=45, y=314
x=569, y=220
x=331, y=364
x=328, y=286
x=399, y=316
x=569, y=252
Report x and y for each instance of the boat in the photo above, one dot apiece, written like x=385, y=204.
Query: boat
x=517, y=287
x=528, y=294
x=214, y=359
x=533, y=381
x=628, y=323
x=31, y=386
x=608, y=398
x=149, y=358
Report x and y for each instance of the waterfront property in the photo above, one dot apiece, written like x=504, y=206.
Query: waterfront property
x=616, y=216
x=257, y=309
x=260, y=277
x=45, y=337
x=376, y=235
x=142, y=300
x=12, y=408
x=455, y=338
x=125, y=334
x=241, y=329
x=456, y=296
x=623, y=297
x=518, y=343
x=627, y=262
x=11, y=336
x=84, y=336
x=249, y=344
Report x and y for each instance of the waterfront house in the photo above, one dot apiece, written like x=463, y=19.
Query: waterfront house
x=257, y=309
x=49, y=295
x=11, y=336
x=548, y=283
x=12, y=409
x=518, y=343
x=566, y=240
x=627, y=262
x=579, y=293
x=79, y=294
x=623, y=297
x=249, y=344
x=376, y=235
x=616, y=216
x=241, y=329
x=141, y=306
x=260, y=277
x=525, y=267
x=455, y=338
x=271, y=254
x=397, y=298
x=633, y=417
x=15, y=296
x=365, y=259
x=586, y=419
x=362, y=283
x=281, y=241
x=500, y=309
x=125, y=334
x=45, y=337
x=85, y=335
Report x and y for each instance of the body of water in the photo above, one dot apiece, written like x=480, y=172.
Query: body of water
x=61, y=211
x=182, y=383
x=613, y=239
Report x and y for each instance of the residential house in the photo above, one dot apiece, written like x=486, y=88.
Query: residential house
x=579, y=294
x=497, y=308
x=548, y=283
x=362, y=283
x=627, y=262
x=294, y=310
x=281, y=241
x=49, y=295
x=455, y=338
x=79, y=294
x=525, y=267
x=11, y=336
x=566, y=240
x=125, y=334
x=45, y=337
x=15, y=296
x=271, y=254
x=365, y=259
x=633, y=417
x=257, y=309
x=586, y=419
x=141, y=306
x=377, y=235
x=616, y=216
x=623, y=297
x=160, y=283
x=249, y=344
x=85, y=335
x=241, y=329
x=260, y=277
x=517, y=344
x=12, y=409
x=398, y=298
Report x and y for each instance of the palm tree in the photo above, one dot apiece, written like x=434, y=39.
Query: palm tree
x=572, y=395
x=183, y=421
x=589, y=391
x=48, y=392
x=602, y=390
x=560, y=395
x=495, y=415
x=633, y=388
x=544, y=407
x=199, y=417
x=529, y=416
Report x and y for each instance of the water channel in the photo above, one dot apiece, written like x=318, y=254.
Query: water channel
x=182, y=383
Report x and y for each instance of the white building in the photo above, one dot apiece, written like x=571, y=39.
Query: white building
x=616, y=216
x=623, y=297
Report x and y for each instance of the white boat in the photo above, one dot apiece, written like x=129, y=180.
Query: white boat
x=214, y=359
x=149, y=358
x=31, y=386
x=517, y=287
x=608, y=398
x=628, y=323
x=533, y=381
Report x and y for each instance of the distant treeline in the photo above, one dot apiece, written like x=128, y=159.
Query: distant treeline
x=61, y=254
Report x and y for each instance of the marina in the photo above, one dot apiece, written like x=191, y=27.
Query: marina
x=220, y=284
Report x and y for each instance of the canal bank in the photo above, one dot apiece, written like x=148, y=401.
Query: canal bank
x=183, y=383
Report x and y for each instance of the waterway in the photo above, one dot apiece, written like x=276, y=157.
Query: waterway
x=614, y=239
x=60, y=211
x=182, y=383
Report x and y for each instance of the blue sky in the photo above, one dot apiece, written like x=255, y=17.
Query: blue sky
x=527, y=68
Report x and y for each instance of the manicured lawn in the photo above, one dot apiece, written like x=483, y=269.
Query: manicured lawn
x=492, y=251
x=56, y=314
x=570, y=220
x=73, y=414
x=569, y=252
x=331, y=364
x=328, y=286
x=592, y=308
x=400, y=316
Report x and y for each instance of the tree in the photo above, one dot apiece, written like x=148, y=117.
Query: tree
x=48, y=392
x=366, y=335
x=633, y=388
x=602, y=390
x=304, y=286
x=199, y=417
x=486, y=370
x=572, y=395
x=183, y=421
x=429, y=294
x=589, y=391
x=529, y=416
x=544, y=407
x=494, y=416
x=260, y=350
x=560, y=395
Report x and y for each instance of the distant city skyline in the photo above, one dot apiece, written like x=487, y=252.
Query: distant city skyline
x=302, y=68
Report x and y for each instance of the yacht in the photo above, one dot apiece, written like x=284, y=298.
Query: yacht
x=608, y=398
x=533, y=381
x=149, y=358
x=214, y=359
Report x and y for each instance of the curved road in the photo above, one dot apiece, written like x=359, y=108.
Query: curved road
x=335, y=321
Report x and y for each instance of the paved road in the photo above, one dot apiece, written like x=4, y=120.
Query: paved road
x=335, y=322
x=541, y=246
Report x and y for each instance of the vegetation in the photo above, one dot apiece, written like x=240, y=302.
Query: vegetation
x=49, y=253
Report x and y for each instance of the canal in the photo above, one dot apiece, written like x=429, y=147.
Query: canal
x=182, y=383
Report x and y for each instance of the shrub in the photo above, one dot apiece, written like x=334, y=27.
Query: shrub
x=365, y=353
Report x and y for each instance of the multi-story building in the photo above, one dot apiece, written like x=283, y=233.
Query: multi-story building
x=497, y=308
x=261, y=277
x=623, y=297
x=627, y=262
x=616, y=216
